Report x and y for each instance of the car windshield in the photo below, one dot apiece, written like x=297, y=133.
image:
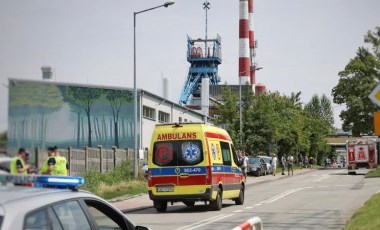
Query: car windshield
x=266, y=159
x=254, y=160
x=4, y=165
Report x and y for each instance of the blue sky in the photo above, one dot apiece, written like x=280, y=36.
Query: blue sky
x=302, y=44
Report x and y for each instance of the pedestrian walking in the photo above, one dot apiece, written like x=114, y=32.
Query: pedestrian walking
x=283, y=163
x=243, y=164
x=18, y=165
x=274, y=164
x=311, y=161
x=306, y=162
x=290, y=161
x=300, y=160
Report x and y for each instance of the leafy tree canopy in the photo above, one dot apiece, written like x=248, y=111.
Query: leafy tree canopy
x=356, y=81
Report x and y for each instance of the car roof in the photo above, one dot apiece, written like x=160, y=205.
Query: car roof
x=13, y=195
x=5, y=159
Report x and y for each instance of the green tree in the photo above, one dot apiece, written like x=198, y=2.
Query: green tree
x=228, y=114
x=75, y=107
x=320, y=120
x=85, y=97
x=116, y=99
x=356, y=81
x=27, y=99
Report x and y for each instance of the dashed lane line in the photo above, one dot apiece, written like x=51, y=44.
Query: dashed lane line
x=205, y=222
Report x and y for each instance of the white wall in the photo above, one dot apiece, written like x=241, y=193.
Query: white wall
x=160, y=104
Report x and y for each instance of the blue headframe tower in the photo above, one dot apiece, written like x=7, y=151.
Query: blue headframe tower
x=204, y=56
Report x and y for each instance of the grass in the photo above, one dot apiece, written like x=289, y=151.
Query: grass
x=123, y=188
x=367, y=217
x=374, y=173
x=119, y=182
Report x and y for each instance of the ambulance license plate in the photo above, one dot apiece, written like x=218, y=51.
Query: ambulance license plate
x=165, y=189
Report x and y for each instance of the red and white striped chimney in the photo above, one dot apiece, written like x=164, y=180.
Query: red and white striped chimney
x=251, y=44
x=244, y=57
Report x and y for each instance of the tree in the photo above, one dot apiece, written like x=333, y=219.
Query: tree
x=85, y=98
x=319, y=123
x=116, y=99
x=356, y=81
x=75, y=107
x=27, y=99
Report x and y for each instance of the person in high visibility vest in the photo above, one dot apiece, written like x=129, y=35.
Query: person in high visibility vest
x=49, y=161
x=61, y=166
x=18, y=165
x=55, y=165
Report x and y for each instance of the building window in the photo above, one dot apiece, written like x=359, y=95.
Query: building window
x=180, y=119
x=163, y=117
x=149, y=113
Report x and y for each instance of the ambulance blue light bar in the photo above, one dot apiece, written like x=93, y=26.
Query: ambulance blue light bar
x=70, y=182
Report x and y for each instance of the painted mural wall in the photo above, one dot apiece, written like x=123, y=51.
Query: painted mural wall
x=46, y=113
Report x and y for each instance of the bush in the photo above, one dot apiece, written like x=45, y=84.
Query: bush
x=116, y=183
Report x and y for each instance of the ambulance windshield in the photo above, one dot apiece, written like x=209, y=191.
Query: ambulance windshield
x=177, y=153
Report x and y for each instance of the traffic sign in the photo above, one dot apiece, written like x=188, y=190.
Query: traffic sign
x=375, y=95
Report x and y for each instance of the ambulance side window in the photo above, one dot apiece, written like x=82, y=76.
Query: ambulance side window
x=226, y=153
x=234, y=155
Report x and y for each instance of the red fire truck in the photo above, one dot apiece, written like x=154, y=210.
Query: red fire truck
x=361, y=155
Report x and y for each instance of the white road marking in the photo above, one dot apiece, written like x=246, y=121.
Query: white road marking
x=322, y=178
x=205, y=222
x=270, y=200
x=248, y=207
x=238, y=211
x=257, y=205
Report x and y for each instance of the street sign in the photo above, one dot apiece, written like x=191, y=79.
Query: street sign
x=376, y=122
x=375, y=95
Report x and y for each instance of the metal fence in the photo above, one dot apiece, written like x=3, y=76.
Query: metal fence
x=82, y=160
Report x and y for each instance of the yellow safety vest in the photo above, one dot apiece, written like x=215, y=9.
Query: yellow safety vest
x=45, y=166
x=59, y=167
x=14, y=165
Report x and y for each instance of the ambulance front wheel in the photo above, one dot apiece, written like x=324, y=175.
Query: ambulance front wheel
x=160, y=206
x=240, y=199
x=217, y=203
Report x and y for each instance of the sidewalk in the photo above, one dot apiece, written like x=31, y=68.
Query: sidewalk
x=140, y=202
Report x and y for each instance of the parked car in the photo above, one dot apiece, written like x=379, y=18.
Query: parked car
x=145, y=170
x=5, y=163
x=269, y=169
x=257, y=166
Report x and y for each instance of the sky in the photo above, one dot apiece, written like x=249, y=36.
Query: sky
x=302, y=44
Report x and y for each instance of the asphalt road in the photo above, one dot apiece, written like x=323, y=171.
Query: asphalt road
x=322, y=199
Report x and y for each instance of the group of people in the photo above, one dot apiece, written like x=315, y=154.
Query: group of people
x=285, y=161
x=304, y=161
x=54, y=165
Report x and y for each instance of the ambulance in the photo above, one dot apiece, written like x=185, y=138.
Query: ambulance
x=191, y=162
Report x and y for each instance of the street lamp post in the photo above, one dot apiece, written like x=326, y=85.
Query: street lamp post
x=240, y=108
x=166, y=4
